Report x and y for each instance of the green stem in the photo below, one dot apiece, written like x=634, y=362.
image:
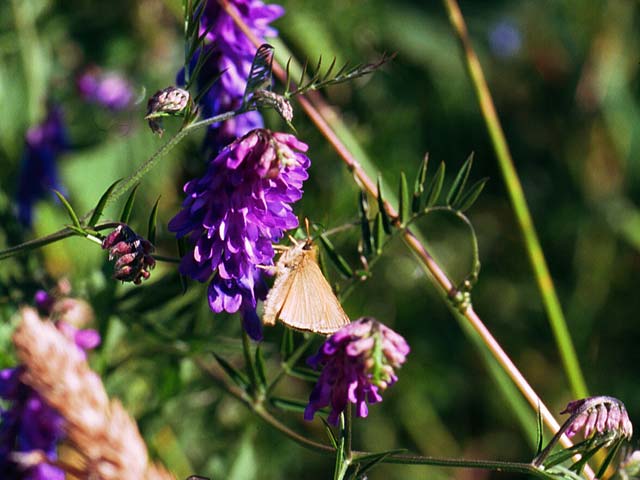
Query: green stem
x=534, y=250
x=362, y=456
x=122, y=187
x=291, y=361
x=152, y=161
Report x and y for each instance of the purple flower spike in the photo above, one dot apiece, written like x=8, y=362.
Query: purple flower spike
x=232, y=54
x=39, y=171
x=358, y=364
x=29, y=424
x=109, y=89
x=234, y=213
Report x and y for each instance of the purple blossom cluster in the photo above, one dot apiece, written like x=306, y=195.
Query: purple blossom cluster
x=358, y=363
x=28, y=424
x=108, y=89
x=39, y=172
x=231, y=55
x=234, y=213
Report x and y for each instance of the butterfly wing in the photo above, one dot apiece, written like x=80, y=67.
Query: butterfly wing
x=309, y=303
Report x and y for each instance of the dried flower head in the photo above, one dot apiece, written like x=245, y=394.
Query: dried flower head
x=30, y=428
x=132, y=254
x=234, y=213
x=598, y=415
x=103, y=435
x=170, y=101
x=358, y=363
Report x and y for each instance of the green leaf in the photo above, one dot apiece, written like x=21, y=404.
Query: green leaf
x=288, y=404
x=386, y=223
x=337, y=259
x=260, y=368
x=305, y=374
x=97, y=211
x=128, y=206
x=72, y=214
x=460, y=181
x=435, y=186
x=364, y=224
x=235, y=375
x=540, y=431
x=404, y=212
x=286, y=346
x=330, y=434
x=610, y=456
x=375, y=459
x=378, y=233
x=151, y=231
x=472, y=195
x=418, y=186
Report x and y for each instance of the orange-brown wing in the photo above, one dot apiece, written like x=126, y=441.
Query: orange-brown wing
x=309, y=303
x=277, y=295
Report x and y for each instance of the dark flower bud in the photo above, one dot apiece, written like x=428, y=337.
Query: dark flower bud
x=170, y=101
x=132, y=254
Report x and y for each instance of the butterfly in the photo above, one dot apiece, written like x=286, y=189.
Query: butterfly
x=301, y=297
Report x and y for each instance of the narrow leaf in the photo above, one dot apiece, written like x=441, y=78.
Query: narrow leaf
x=418, y=186
x=460, y=181
x=286, y=346
x=540, y=431
x=72, y=214
x=472, y=195
x=97, y=211
x=375, y=460
x=404, y=212
x=330, y=434
x=435, y=186
x=288, y=404
x=337, y=259
x=151, y=231
x=610, y=456
x=235, y=375
x=260, y=368
x=364, y=224
x=305, y=374
x=378, y=233
x=386, y=223
x=128, y=206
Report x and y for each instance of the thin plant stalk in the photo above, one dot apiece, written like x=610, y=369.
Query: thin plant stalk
x=516, y=195
x=313, y=112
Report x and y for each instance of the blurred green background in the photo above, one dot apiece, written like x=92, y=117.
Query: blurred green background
x=564, y=76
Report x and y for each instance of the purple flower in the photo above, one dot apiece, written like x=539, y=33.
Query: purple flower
x=232, y=54
x=108, y=89
x=29, y=424
x=39, y=172
x=132, y=254
x=358, y=363
x=234, y=213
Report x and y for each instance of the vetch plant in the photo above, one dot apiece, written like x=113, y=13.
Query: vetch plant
x=242, y=204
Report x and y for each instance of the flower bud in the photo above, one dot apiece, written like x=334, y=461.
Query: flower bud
x=132, y=254
x=170, y=101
